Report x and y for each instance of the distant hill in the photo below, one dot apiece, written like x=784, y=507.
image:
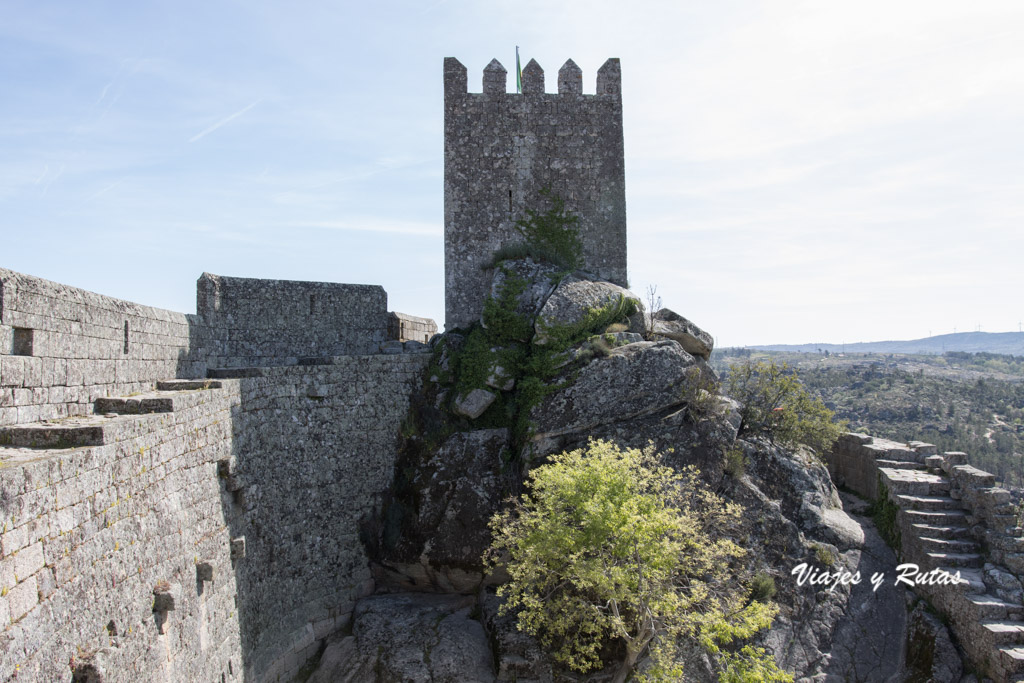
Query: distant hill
x=1007, y=343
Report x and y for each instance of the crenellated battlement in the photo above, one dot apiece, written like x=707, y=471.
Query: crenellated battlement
x=502, y=149
x=495, y=79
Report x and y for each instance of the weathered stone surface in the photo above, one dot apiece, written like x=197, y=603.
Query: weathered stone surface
x=696, y=342
x=457, y=490
x=473, y=404
x=410, y=637
x=540, y=279
x=632, y=380
x=1005, y=585
x=868, y=634
x=931, y=655
x=519, y=656
x=573, y=300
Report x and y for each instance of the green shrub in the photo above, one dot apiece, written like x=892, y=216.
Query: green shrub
x=752, y=665
x=776, y=405
x=824, y=555
x=735, y=463
x=610, y=545
x=762, y=587
x=883, y=513
x=554, y=233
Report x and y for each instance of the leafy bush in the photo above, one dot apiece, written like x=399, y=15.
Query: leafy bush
x=752, y=665
x=824, y=555
x=609, y=545
x=762, y=587
x=735, y=463
x=776, y=405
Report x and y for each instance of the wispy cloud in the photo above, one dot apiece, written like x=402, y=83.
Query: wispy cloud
x=224, y=121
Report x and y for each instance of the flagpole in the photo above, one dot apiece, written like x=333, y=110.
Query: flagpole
x=519, y=73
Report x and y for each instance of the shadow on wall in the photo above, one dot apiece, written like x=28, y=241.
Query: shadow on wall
x=247, y=490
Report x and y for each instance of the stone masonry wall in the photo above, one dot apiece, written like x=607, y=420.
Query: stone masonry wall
x=89, y=532
x=248, y=322
x=234, y=501
x=501, y=149
x=62, y=347
x=404, y=327
x=314, y=448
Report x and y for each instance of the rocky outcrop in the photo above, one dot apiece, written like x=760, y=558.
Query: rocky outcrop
x=536, y=282
x=667, y=323
x=456, y=492
x=409, y=637
x=610, y=384
x=633, y=380
x=575, y=298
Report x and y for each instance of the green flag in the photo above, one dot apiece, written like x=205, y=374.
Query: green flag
x=519, y=73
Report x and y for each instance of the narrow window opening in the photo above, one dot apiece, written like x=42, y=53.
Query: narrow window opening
x=510, y=201
x=126, y=336
x=312, y=304
x=21, y=341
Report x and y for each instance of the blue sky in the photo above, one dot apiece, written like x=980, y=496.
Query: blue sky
x=795, y=171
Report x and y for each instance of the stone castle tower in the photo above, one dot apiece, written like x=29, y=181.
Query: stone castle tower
x=501, y=149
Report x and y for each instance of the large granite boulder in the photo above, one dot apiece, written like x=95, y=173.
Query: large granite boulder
x=457, y=491
x=632, y=380
x=669, y=324
x=536, y=280
x=409, y=637
x=474, y=404
x=574, y=299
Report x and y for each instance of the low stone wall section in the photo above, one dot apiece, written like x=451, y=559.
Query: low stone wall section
x=261, y=323
x=63, y=347
x=89, y=533
x=404, y=327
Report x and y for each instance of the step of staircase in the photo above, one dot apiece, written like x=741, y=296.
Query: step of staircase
x=71, y=432
x=937, y=517
x=1011, y=659
x=913, y=482
x=900, y=464
x=948, y=546
x=928, y=503
x=985, y=607
x=971, y=580
x=1004, y=632
x=948, y=533
x=956, y=560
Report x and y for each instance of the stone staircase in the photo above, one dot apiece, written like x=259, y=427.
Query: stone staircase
x=950, y=515
x=101, y=427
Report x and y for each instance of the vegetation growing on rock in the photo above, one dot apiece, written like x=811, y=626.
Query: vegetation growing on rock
x=611, y=545
x=776, y=405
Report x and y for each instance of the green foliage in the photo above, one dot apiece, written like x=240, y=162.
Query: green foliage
x=762, y=587
x=735, y=463
x=562, y=336
x=611, y=545
x=824, y=555
x=752, y=665
x=554, y=233
x=883, y=512
x=700, y=393
x=776, y=405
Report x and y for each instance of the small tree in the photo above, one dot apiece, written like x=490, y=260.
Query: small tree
x=609, y=545
x=778, y=406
